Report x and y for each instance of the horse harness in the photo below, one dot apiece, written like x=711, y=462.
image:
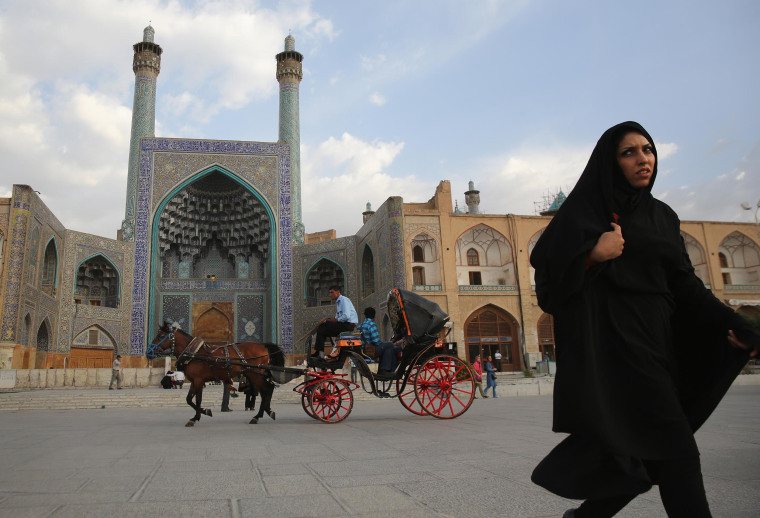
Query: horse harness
x=192, y=349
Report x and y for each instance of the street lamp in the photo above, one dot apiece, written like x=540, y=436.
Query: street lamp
x=747, y=206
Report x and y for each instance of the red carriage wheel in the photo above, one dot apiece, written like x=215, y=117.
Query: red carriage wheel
x=331, y=400
x=444, y=387
x=408, y=397
x=306, y=404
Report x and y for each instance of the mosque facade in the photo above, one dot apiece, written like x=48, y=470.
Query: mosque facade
x=213, y=240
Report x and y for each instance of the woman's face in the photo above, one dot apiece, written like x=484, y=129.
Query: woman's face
x=636, y=158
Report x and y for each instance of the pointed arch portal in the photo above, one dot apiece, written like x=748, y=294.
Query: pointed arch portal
x=214, y=243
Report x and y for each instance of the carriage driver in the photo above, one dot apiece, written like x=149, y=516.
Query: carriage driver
x=345, y=320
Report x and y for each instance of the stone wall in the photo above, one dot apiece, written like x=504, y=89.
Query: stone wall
x=24, y=379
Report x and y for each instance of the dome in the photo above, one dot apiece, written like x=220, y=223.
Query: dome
x=290, y=43
x=148, y=34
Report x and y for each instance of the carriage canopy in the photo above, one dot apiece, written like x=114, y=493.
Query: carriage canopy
x=414, y=317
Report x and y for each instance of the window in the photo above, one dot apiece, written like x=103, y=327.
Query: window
x=472, y=258
x=92, y=337
x=475, y=279
x=418, y=276
x=418, y=254
x=727, y=278
x=723, y=260
x=368, y=273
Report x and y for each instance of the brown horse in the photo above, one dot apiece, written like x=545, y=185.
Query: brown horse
x=202, y=362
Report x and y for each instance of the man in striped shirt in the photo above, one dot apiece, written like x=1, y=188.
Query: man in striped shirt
x=386, y=353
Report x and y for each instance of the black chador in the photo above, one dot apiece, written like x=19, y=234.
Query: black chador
x=642, y=355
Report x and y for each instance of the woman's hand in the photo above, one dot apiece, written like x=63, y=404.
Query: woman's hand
x=735, y=342
x=608, y=246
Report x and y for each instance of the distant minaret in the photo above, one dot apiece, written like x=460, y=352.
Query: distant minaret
x=146, y=66
x=472, y=198
x=289, y=75
x=367, y=213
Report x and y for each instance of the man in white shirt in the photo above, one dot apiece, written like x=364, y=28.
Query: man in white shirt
x=179, y=379
x=115, y=371
x=345, y=320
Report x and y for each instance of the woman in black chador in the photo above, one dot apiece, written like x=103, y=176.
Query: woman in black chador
x=644, y=351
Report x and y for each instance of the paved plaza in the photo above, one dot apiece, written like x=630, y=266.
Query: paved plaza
x=381, y=462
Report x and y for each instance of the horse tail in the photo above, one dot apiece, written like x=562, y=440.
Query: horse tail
x=276, y=356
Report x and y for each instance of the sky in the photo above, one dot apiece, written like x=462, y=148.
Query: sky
x=396, y=96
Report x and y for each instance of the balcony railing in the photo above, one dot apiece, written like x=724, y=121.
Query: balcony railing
x=487, y=287
x=427, y=287
x=742, y=287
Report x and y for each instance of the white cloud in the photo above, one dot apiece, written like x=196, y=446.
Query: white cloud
x=65, y=107
x=666, y=149
x=377, y=99
x=374, y=62
x=340, y=176
x=718, y=199
x=514, y=182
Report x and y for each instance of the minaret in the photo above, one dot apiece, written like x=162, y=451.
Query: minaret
x=472, y=198
x=146, y=66
x=367, y=213
x=289, y=75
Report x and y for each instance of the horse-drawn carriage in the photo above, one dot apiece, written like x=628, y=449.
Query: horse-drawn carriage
x=428, y=380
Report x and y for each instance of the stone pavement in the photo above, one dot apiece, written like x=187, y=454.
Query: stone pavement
x=380, y=462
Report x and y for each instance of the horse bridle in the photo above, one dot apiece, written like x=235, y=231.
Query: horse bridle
x=154, y=351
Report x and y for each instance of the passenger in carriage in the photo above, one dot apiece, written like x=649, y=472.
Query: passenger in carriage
x=386, y=354
x=345, y=320
x=368, y=330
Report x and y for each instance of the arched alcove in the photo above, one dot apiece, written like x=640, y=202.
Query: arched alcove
x=368, y=272
x=319, y=278
x=97, y=283
x=697, y=257
x=740, y=261
x=546, y=343
x=214, y=326
x=490, y=329
x=49, y=282
x=494, y=265
x=2, y=251
x=426, y=264
x=215, y=242
x=531, y=245
x=214, y=226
